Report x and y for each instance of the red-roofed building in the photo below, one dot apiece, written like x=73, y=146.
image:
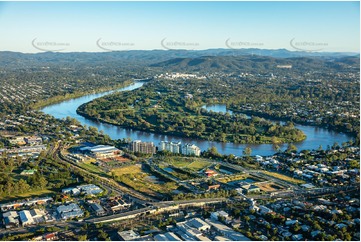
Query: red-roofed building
x=210, y=173
x=213, y=187
x=50, y=236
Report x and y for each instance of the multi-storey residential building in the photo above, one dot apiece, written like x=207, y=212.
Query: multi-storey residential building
x=191, y=149
x=174, y=147
x=142, y=147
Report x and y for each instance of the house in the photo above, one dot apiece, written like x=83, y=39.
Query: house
x=188, y=96
x=335, y=211
x=50, y=236
x=340, y=226
x=297, y=172
x=290, y=222
x=319, y=208
x=305, y=228
x=17, y=140
x=297, y=237
x=33, y=140
x=315, y=233
x=28, y=172
x=263, y=237
x=286, y=234
x=264, y=210
x=18, y=204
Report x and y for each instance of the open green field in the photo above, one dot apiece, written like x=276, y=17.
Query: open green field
x=193, y=164
x=92, y=168
x=231, y=178
x=284, y=177
x=132, y=169
x=44, y=192
x=180, y=173
x=141, y=180
x=198, y=165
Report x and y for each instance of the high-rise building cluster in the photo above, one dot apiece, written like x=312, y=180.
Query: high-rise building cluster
x=177, y=148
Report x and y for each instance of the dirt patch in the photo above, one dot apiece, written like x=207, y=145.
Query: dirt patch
x=269, y=187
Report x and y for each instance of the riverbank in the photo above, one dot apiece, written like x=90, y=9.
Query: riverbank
x=315, y=136
x=178, y=134
x=285, y=119
x=61, y=98
x=158, y=109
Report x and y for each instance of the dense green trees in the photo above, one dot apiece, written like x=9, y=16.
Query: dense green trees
x=162, y=107
x=49, y=175
x=216, y=194
x=247, y=151
x=11, y=187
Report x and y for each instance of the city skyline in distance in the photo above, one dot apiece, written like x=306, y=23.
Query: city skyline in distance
x=119, y=26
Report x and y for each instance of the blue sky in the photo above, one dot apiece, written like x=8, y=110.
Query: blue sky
x=77, y=26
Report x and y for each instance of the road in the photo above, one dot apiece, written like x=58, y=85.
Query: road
x=157, y=207
x=113, y=185
x=185, y=184
x=33, y=228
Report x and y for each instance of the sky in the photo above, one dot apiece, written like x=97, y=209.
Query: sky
x=33, y=27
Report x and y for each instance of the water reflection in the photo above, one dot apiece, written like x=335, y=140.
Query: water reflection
x=315, y=136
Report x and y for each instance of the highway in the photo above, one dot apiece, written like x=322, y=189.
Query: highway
x=169, y=205
x=156, y=207
x=113, y=185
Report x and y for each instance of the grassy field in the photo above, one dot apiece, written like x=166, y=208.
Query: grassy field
x=181, y=174
x=269, y=187
x=44, y=192
x=92, y=168
x=133, y=169
x=232, y=178
x=180, y=163
x=198, y=165
x=138, y=179
x=193, y=164
x=284, y=177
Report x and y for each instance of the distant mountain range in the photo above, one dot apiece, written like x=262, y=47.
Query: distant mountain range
x=257, y=63
x=157, y=58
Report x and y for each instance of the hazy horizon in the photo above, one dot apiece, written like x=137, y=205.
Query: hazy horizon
x=33, y=27
x=99, y=51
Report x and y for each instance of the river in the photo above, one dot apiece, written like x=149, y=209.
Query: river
x=316, y=136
